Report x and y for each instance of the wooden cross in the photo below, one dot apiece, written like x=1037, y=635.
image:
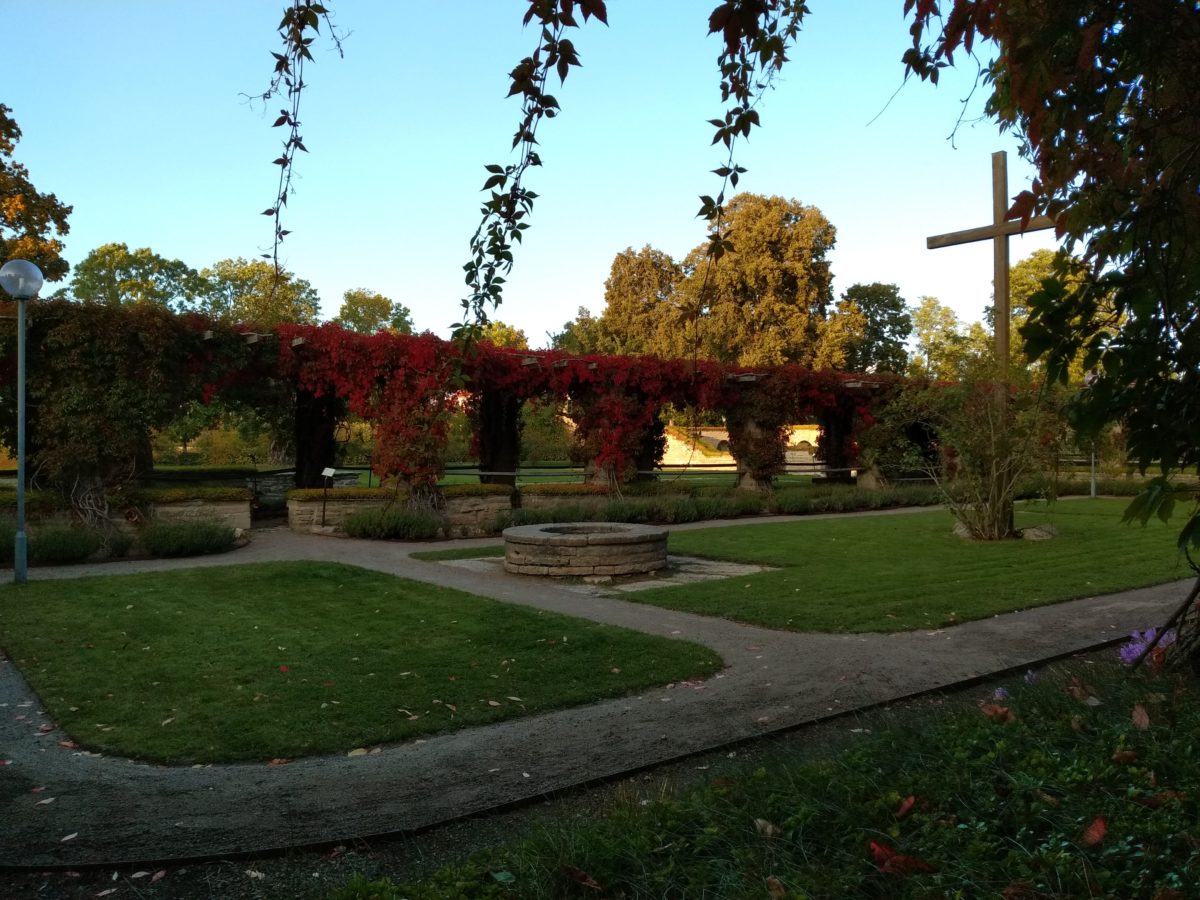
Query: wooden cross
x=999, y=232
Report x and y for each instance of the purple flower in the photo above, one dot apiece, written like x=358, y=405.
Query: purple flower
x=1000, y=694
x=1138, y=642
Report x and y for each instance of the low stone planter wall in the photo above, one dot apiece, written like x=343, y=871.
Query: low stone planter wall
x=584, y=548
x=531, y=500
x=466, y=516
x=234, y=513
x=305, y=515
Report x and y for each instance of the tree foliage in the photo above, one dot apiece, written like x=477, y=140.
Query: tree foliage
x=250, y=292
x=367, y=311
x=499, y=334
x=31, y=223
x=112, y=275
x=887, y=324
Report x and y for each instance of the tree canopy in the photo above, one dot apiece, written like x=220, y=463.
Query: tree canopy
x=251, y=292
x=887, y=323
x=31, y=223
x=367, y=312
x=112, y=274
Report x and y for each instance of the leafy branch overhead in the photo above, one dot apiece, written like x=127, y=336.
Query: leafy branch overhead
x=509, y=202
x=298, y=29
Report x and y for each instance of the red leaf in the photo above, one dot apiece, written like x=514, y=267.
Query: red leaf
x=1154, y=801
x=579, y=876
x=905, y=806
x=1094, y=833
x=283, y=668
x=1124, y=756
x=888, y=861
x=1141, y=718
x=997, y=713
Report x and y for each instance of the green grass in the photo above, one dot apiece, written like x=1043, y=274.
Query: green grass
x=994, y=809
x=274, y=660
x=907, y=571
x=458, y=553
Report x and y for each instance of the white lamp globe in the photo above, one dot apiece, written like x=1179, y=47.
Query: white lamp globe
x=20, y=279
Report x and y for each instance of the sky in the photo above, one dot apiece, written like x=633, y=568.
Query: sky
x=136, y=113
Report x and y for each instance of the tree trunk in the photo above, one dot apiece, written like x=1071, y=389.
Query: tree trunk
x=499, y=437
x=316, y=421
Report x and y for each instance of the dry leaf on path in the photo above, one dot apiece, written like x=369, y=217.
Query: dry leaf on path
x=775, y=888
x=767, y=829
x=579, y=876
x=1094, y=833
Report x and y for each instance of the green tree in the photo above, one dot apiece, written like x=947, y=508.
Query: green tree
x=766, y=301
x=31, y=223
x=640, y=306
x=500, y=334
x=584, y=334
x=248, y=292
x=367, y=312
x=940, y=342
x=886, y=327
x=113, y=275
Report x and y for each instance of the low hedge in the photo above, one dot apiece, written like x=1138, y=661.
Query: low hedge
x=566, y=489
x=56, y=545
x=171, y=539
x=151, y=496
x=394, y=524
x=387, y=493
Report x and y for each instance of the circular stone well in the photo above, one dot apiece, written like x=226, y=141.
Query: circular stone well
x=584, y=548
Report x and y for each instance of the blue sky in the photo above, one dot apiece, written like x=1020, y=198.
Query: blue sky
x=134, y=112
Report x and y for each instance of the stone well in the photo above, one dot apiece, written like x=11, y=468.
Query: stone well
x=584, y=548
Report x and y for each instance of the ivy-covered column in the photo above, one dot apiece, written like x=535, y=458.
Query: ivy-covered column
x=498, y=430
x=316, y=421
x=836, y=446
x=757, y=433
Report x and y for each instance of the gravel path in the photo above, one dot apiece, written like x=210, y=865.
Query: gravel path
x=108, y=810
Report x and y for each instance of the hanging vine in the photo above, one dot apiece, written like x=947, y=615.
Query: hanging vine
x=509, y=201
x=298, y=29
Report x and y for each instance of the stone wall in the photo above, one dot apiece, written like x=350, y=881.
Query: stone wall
x=466, y=516
x=234, y=513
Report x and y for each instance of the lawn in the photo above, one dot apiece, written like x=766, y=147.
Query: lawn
x=1082, y=784
x=257, y=662
x=908, y=571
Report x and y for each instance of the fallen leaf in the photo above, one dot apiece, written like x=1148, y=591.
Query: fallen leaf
x=105, y=893
x=515, y=699
x=139, y=874
x=451, y=707
x=1076, y=723
x=997, y=713
x=888, y=861
x=358, y=751
x=168, y=721
x=1094, y=833
x=45, y=802
x=5, y=762
x=1124, y=757
x=906, y=806
x=1141, y=718
x=158, y=876
x=493, y=703
x=278, y=761
x=70, y=745
x=36, y=790
x=69, y=837
x=767, y=829
x=775, y=889
x=283, y=669
x=579, y=876
x=254, y=873
x=1020, y=890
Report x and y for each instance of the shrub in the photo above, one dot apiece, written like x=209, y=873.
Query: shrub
x=57, y=544
x=8, y=532
x=186, y=538
x=117, y=543
x=394, y=524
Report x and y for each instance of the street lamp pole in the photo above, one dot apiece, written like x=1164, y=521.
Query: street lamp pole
x=21, y=280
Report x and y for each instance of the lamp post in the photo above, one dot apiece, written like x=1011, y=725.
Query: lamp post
x=21, y=280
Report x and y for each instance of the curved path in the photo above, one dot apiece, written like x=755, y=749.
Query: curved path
x=109, y=810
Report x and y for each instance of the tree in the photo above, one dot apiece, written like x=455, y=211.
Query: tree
x=367, y=312
x=940, y=341
x=764, y=303
x=248, y=292
x=887, y=325
x=498, y=334
x=640, y=307
x=31, y=223
x=113, y=275
x=584, y=334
